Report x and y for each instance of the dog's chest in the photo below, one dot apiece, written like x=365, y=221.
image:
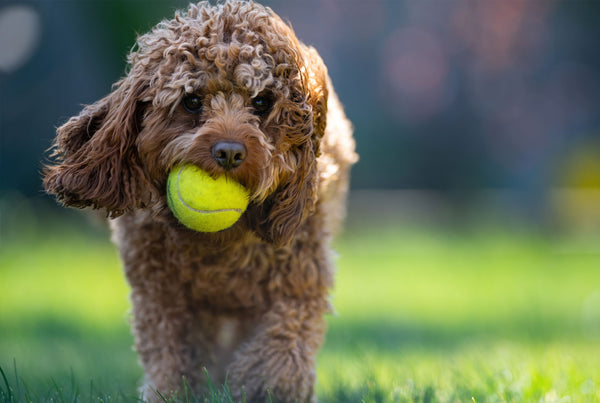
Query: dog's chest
x=217, y=337
x=227, y=333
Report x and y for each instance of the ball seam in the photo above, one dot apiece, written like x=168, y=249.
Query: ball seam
x=197, y=210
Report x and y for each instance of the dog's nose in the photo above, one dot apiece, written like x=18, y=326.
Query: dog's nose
x=229, y=154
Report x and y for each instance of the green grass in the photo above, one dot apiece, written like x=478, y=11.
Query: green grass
x=423, y=315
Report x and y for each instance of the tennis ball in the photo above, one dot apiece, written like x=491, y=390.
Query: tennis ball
x=202, y=203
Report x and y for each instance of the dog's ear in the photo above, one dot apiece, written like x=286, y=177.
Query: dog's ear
x=296, y=198
x=287, y=208
x=96, y=162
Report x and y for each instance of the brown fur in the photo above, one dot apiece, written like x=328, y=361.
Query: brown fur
x=246, y=303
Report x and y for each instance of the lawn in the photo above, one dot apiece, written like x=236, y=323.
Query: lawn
x=423, y=314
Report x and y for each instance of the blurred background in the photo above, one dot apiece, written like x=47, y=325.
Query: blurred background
x=475, y=206
x=456, y=97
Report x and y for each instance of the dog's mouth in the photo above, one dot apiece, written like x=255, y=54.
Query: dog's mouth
x=204, y=203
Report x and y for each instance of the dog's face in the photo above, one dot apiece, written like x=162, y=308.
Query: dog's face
x=228, y=88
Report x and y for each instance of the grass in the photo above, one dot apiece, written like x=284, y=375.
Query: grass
x=425, y=315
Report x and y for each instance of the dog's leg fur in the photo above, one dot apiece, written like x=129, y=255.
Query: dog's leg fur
x=280, y=359
x=162, y=317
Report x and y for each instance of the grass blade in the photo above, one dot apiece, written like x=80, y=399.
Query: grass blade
x=9, y=392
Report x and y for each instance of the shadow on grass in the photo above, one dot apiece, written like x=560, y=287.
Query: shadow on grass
x=57, y=340
x=49, y=351
x=397, y=335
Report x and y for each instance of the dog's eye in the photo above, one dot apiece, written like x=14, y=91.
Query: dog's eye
x=192, y=103
x=262, y=104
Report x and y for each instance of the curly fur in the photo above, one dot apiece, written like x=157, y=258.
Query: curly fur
x=246, y=303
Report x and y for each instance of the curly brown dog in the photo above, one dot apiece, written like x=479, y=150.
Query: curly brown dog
x=246, y=303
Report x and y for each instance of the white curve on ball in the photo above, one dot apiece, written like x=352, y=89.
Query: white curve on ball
x=237, y=210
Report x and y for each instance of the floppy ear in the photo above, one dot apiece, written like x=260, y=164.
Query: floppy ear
x=296, y=198
x=97, y=163
x=293, y=202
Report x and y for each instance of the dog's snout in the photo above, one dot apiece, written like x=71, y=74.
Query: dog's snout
x=229, y=154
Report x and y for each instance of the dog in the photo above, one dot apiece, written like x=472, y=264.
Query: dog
x=245, y=304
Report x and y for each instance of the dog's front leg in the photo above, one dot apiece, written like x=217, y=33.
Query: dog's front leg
x=279, y=360
x=162, y=328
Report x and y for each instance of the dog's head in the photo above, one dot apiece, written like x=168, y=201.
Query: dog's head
x=228, y=88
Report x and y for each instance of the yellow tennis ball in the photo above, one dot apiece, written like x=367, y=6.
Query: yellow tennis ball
x=202, y=203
